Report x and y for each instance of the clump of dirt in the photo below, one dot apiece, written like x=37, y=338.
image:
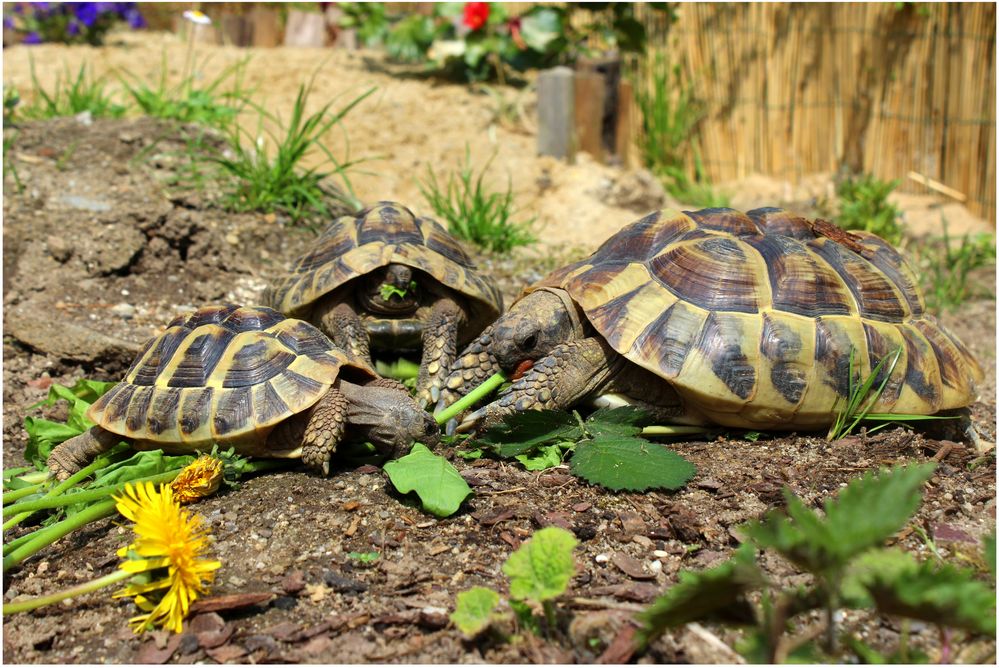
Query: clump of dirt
x=98, y=257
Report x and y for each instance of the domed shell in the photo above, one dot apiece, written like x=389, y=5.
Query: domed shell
x=383, y=234
x=753, y=316
x=224, y=373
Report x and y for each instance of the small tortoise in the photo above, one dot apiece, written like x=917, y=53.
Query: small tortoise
x=401, y=281
x=750, y=319
x=250, y=378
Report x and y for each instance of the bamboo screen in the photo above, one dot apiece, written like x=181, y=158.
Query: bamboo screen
x=881, y=88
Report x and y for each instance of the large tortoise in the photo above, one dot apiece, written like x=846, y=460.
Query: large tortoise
x=248, y=377
x=749, y=318
x=388, y=280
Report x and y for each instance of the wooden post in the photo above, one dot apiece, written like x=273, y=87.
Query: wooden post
x=235, y=30
x=556, y=113
x=265, y=27
x=589, y=116
x=305, y=29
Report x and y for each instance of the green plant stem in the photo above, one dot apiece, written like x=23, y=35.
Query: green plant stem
x=674, y=430
x=10, y=473
x=11, y=497
x=49, y=535
x=33, y=478
x=471, y=398
x=549, y=609
x=49, y=599
x=95, y=465
x=84, y=496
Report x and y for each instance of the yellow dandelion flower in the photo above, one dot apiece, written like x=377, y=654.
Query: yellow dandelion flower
x=199, y=479
x=166, y=557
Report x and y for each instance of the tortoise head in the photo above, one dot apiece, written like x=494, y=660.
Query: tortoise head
x=390, y=290
x=532, y=327
x=388, y=418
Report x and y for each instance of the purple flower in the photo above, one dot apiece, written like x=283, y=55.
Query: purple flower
x=135, y=18
x=40, y=6
x=73, y=28
x=8, y=22
x=32, y=38
x=86, y=12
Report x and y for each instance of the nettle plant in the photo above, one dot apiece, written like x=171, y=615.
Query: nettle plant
x=843, y=552
x=539, y=572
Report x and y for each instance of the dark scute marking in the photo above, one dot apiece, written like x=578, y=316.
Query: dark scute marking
x=443, y=243
x=255, y=363
x=389, y=224
x=668, y=339
x=945, y=352
x=210, y=315
x=640, y=240
x=252, y=319
x=234, y=410
x=267, y=403
x=872, y=290
x=782, y=346
x=605, y=318
x=832, y=350
x=138, y=407
x=194, y=409
x=778, y=221
x=879, y=347
x=721, y=345
x=920, y=356
x=888, y=260
x=817, y=292
x=335, y=242
x=165, y=346
x=725, y=220
x=304, y=339
x=303, y=385
x=117, y=406
x=601, y=274
x=163, y=415
x=712, y=273
x=200, y=358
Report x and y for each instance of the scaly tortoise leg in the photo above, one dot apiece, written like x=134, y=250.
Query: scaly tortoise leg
x=72, y=455
x=470, y=370
x=342, y=324
x=325, y=426
x=571, y=372
x=388, y=383
x=440, y=344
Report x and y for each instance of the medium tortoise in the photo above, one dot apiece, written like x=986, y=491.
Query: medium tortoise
x=401, y=281
x=250, y=378
x=750, y=318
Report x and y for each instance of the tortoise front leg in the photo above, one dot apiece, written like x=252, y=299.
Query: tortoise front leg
x=569, y=374
x=73, y=454
x=440, y=343
x=475, y=364
x=341, y=323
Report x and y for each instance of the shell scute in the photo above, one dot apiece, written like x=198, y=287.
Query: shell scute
x=800, y=282
x=727, y=220
x=711, y=272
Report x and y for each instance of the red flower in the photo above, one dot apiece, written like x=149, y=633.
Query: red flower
x=476, y=14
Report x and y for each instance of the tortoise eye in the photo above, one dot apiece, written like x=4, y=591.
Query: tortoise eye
x=529, y=342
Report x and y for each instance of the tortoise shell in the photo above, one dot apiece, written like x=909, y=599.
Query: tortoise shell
x=752, y=317
x=383, y=234
x=223, y=374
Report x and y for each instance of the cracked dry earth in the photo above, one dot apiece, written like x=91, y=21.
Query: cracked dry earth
x=97, y=258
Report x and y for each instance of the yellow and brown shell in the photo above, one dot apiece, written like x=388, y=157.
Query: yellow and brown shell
x=383, y=234
x=752, y=317
x=224, y=374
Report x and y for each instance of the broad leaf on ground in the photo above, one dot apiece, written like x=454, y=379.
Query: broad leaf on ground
x=547, y=456
x=438, y=484
x=541, y=568
x=473, y=610
x=627, y=462
x=521, y=432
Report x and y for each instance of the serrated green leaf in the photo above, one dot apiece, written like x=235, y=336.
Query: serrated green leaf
x=540, y=27
x=626, y=462
x=521, y=432
x=619, y=421
x=43, y=436
x=867, y=512
x=473, y=610
x=542, y=567
x=715, y=593
x=939, y=594
x=548, y=456
x=438, y=484
x=469, y=454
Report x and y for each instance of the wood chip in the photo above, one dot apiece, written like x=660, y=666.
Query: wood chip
x=631, y=567
x=226, y=653
x=493, y=517
x=230, y=601
x=434, y=550
x=351, y=505
x=582, y=507
x=555, y=518
x=352, y=529
x=509, y=539
x=632, y=523
x=293, y=583
x=283, y=631
x=639, y=592
x=622, y=648
x=150, y=653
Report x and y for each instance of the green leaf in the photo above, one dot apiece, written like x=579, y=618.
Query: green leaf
x=364, y=557
x=939, y=594
x=542, y=567
x=438, y=484
x=140, y=465
x=43, y=436
x=989, y=547
x=548, y=457
x=540, y=27
x=716, y=593
x=620, y=421
x=865, y=514
x=521, y=432
x=630, y=463
x=469, y=454
x=473, y=610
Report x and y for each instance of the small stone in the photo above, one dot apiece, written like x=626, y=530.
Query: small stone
x=662, y=554
x=601, y=558
x=59, y=248
x=232, y=239
x=123, y=310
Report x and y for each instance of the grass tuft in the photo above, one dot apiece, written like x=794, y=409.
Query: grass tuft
x=945, y=268
x=474, y=213
x=863, y=205
x=71, y=96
